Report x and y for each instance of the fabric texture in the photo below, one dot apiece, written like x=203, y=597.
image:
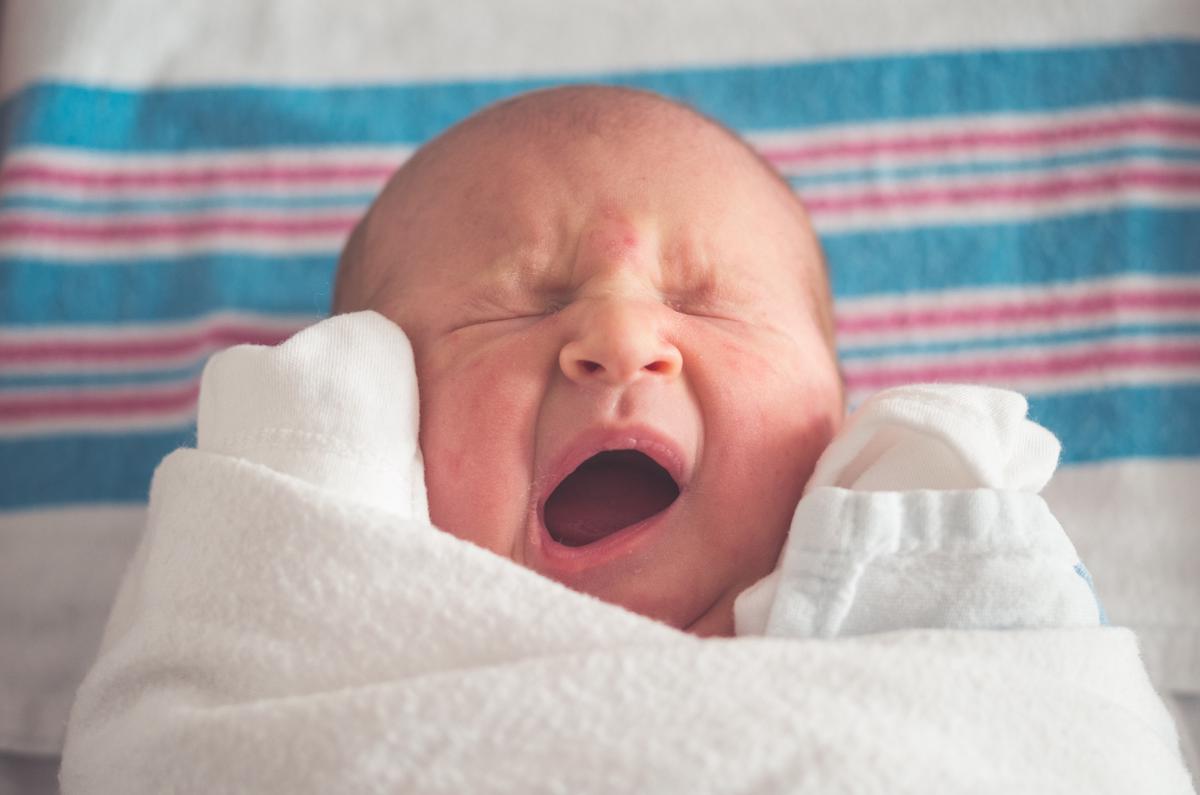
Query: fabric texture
x=924, y=512
x=275, y=635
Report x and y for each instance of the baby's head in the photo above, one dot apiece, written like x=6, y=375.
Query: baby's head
x=623, y=338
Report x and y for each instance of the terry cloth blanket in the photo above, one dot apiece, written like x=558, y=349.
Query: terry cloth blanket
x=292, y=623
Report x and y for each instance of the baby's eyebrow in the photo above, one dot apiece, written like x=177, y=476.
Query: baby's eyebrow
x=517, y=275
x=691, y=276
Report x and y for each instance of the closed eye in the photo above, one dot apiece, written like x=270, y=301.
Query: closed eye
x=699, y=311
x=523, y=317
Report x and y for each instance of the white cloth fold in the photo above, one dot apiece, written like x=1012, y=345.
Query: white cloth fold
x=275, y=635
x=924, y=512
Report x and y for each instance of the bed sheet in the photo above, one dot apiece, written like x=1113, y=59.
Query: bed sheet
x=1005, y=197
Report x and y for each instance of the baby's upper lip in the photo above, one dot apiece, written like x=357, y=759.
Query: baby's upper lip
x=658, y=445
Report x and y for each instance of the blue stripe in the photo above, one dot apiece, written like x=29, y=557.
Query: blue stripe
x=36, y=292
x=1113, y=332
x=15, y=383
x=1099, y=157
x=886, y=261
x=1040, y=251
x=1122, y=422
x=109, y=206
x=85, y=468
x=1086, y=576
x=748, y=98
x=1093, y=426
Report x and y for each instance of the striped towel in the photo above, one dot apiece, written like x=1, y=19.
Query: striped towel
x=1021, y=211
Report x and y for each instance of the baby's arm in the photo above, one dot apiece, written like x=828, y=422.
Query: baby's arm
x=924, y=512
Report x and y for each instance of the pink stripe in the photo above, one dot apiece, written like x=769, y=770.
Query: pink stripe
x=938, y=143
x=177, y=177
x=120, y=229
x=1041, y=189
x=199, y=342
x=1060, y=365
x=1030, y=310
x=99, y=404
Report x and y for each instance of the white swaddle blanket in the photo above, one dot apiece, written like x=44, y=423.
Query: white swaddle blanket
x=292, y=623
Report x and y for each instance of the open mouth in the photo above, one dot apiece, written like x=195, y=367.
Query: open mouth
x=608, y=492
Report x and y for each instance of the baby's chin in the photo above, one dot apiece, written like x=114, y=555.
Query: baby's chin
x=717, y=622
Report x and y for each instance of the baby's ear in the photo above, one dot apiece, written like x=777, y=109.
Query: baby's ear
x=336, y=405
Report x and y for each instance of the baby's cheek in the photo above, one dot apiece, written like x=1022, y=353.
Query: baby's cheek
x=477, y=419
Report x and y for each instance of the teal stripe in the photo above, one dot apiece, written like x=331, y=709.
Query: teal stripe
x=109, y=206
x=1021, y=253
x=66, y=470
x=1043, y=341
x=1016, y=165
x=16, y=382
x=36, y=292
x=747, y=97
x=1094, y=426
x=1123, y=422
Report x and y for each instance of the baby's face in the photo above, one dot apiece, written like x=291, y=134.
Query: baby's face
x=568, y=294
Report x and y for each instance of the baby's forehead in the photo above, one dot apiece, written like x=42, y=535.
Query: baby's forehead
x=504, y=181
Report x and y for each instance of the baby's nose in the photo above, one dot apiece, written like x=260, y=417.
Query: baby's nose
x=617, y=343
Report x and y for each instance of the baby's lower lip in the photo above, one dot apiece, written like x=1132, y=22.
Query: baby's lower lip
x=563, y=561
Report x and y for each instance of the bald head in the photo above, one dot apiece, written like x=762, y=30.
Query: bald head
x=564, y=114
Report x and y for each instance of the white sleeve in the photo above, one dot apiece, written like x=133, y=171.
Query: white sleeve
x=336, y=405
x=924, y=513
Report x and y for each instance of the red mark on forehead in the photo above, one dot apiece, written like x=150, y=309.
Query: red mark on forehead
x=613, y=236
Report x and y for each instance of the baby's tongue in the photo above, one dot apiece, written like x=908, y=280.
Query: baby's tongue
x=609, y=491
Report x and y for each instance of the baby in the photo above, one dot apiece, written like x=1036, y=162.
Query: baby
x=615, y=322
x=624, y=344
x=623, y=336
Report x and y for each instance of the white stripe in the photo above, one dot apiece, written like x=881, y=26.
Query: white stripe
x=158, y=330
x=281, y=156
x=177, y=332
x=1102, y=375
x=1105, y=379
x=99, y=424
x=214, y=172
x=874, y=134
x=89, y=252
x=996, y=211
x=131, y=42
x=965, y=301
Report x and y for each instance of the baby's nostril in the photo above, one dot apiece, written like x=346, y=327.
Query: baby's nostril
x=591, y=367
x=658, y=367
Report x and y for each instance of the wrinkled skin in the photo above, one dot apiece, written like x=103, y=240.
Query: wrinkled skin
x=556, y=278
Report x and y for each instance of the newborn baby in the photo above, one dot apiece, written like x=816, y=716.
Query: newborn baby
x=615, y=322
x=623, y=338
